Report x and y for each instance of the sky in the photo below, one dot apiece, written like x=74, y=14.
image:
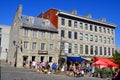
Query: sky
x=108, y=9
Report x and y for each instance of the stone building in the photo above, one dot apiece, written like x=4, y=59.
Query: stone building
x=32, y=38
x=55, y=34
x=4, y=41
x=85, y=36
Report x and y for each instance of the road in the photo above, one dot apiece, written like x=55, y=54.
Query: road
x=12, y=73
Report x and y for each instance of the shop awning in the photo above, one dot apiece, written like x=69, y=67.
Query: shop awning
x=76, y=59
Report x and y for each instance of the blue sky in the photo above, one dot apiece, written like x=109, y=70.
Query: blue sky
x=108, y=9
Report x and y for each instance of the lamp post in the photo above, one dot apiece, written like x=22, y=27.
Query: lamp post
x=59, y=60
x=6, y=55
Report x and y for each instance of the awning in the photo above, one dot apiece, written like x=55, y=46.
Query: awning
x=76, y=59
x=109, y=61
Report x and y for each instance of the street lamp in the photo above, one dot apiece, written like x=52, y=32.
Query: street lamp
x=6, y=55
x=59, y=60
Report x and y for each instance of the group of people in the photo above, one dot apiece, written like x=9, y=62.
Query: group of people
x=45, y=67
x=71, y=69
x=77, y=70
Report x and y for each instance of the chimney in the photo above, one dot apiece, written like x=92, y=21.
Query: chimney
x=19, y=10
x=102, y=20
x=74, y=12
x=88, y=16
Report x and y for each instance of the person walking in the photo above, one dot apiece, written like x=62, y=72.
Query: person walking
x=117, y=75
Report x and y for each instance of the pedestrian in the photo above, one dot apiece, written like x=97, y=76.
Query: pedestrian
x=33, y=64
x=117, y=75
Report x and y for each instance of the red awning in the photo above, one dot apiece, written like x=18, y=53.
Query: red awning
x=109, y=61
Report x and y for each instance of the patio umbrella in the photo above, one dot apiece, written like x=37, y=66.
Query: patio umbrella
x=111, y=64
x=100, y=63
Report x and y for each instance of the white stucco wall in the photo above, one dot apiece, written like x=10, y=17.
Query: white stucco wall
x=4, y=41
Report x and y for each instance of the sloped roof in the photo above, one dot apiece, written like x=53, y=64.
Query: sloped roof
x=38, y=23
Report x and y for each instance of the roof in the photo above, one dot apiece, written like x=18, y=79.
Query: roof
x=37, y=23
x=87, y=19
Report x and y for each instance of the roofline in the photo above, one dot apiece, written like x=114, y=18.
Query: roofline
x=30, y=27
x=92, y=20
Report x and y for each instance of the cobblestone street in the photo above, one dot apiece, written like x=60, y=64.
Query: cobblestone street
x=12, y=73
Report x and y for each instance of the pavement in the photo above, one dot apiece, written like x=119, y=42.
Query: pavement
x=11, y=73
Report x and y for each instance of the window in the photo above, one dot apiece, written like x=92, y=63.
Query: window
x=81, y=36
x=86, y=26
x=75, y=24
x=105, y=51
x=34, y=34
x=86, y=37
x=42, y=46
x=0, y=30
x=25, y=44
x=75, y=48
x=81, y=25
x=108, y=51
x=100, y=50
x=26, y=32
x=81, y=49
x=95, y=28
x=104, y=30
x=108, y=31
x=112, y=40
x=69, y=34
x=62, y=47
x=112, y=31
x=113, y=51
x=91, y=28
x=51, y=35
x=100, y=38
x=86, y=49
x=70, y=48
x=43, y=34
x=0, y=41
x=75, y=35
x=62, y=21
x=50, y=59
x=108, y=40
x=96, y=39
x=91, y=37
x=51, y=46
x=69, y=23
x=62, y=33
x=96, y=50
x=104, y=39
x=91, y=50
x=100, y=29
x=34, y=45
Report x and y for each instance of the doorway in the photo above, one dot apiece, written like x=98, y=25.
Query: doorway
x=25, y=58
x=33, y=58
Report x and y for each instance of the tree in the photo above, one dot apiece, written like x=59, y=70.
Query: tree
x=116, y=58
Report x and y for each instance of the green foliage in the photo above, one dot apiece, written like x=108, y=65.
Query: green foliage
x=61, y=61
x=116, y=57
x=105, y=72
x=98, y=70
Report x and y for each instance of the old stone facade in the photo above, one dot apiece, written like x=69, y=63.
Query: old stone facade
x=56, y=34
x=32, y=39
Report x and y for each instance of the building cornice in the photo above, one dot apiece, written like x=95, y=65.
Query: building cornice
x=87, y=19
